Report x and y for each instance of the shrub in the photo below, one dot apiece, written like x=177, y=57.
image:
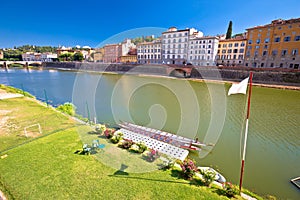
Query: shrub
x=117, y=136
x=230, y=190
x=138, y=147
x=109, y=132
x=67, y=108
x=152, y=155
x=100, y=128
x=189, y=168
x=126, y=144
x=208, y=177
x=168, y=163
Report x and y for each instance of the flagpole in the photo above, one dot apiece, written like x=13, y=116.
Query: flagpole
x=246, y=133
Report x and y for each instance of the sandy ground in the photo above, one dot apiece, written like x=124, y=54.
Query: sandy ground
x=5, y=95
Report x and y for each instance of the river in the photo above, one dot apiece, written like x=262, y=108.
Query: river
x=193, y=109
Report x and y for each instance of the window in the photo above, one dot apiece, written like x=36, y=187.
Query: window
x=249, y=47
x=266, y=46
x=234, y=56
x=287, y=38
x=295, y=52
x=235, y=50
x=283, y=52
x=281, y=65
x=262, y=64
x=249, y=41
x=257, y=41
x=174, y=40
x=272, y=65
x=242, y=44
x=274, y=52
x=256, y=53
x=218, y=50
x=209, y=41
x=256, y=47
x=230, y=45
x=174, y=35
x=224, y=45
x=223, y=51
x=248, y=53
x=241, y=57
x=209, y=46
x=241, y=50
x=264, y=53
x=267, y=40
x=208, y=51
x=236, y=44
x=277, y=39
x=297, y=38
x=291, y=65
x=229, y=51
x=219, y=46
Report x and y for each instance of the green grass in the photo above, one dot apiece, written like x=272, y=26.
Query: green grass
x=22, y=112
x=10, y=89
x=47, y=168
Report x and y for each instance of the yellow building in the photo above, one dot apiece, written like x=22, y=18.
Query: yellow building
x=99, y=55
x=274, y=45
x=231, y=51
x=128, y=59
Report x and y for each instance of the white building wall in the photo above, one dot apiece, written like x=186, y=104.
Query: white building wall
x=149, y=52
x=203, y=51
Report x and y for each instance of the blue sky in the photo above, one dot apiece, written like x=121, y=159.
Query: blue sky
x=90, y=22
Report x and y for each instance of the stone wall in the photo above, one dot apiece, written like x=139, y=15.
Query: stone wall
x=265, y=76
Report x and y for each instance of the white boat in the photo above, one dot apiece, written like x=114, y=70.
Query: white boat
x=218, y=177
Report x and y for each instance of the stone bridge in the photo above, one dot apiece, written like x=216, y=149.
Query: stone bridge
x=183, y=71
x=5, y=64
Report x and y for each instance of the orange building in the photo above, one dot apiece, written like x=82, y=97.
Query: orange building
x=231, y=51
x=274, y=45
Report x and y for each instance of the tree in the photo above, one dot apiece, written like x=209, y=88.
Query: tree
x=78, y=56
x=229, y=30
x=65, y=56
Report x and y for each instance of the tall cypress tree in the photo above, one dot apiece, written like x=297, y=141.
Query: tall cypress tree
x=229, y=30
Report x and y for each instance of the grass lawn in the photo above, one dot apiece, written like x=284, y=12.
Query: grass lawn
x=18, y=113
x=45, y=167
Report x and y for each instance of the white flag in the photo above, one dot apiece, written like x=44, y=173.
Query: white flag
x=239, y=87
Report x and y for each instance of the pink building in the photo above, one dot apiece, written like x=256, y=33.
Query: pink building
x=112, y=53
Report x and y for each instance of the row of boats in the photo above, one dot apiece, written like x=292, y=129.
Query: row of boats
x=175, y=140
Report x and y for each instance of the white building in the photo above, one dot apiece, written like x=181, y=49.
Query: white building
x=175, y=45
x=149, y=52
x=44, y=57
x=203, y=50
x=126, y=45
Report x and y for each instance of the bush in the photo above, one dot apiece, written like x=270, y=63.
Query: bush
x=230, y=190
x=100, y=128
x=117, y=136
x=67, y=108
x=138, y=147
x=189, y=168
x=126, y=144
x=109, y=132
x=208, y=177
x=168, y=163
x=152, y=155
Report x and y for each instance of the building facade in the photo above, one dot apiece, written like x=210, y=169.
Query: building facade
x=112, y=53
x=175, y=45
x=203, y=51
x=1, y=55
x=231, y=52
x=98, y=55
x=44, y=57
x=274, y=45
x=149, y=52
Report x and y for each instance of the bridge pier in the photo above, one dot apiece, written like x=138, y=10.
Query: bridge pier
x=5, y=66
x=26, y=65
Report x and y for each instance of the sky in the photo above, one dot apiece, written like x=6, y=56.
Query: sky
x=95, y=22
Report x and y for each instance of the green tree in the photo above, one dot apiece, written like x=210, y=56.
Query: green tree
x=65, y=57
x=229, y=30
x=78, y=56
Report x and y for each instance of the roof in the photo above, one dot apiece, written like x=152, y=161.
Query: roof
x=277, y=22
